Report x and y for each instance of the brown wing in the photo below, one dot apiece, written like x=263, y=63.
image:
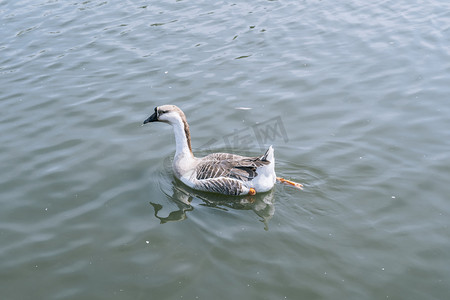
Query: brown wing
x=229, y=166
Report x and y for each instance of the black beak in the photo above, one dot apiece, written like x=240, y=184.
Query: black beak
x=152, y=118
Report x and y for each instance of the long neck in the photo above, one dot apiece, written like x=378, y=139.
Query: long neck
x=182, y=138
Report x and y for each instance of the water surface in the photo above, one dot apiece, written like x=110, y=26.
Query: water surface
x=353, y=97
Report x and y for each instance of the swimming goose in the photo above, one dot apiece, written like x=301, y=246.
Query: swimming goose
x=222, y=173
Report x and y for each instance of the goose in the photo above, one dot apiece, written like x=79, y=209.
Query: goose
x=222, y=173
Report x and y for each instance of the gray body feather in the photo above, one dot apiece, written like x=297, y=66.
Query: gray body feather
x=226, y=173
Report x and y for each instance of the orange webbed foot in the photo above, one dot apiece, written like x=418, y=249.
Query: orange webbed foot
x=295, y=184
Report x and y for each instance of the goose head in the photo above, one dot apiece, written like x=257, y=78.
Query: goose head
x=174, y=116
x=167, y=113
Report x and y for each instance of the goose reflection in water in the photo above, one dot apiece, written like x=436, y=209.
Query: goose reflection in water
x=261, y=203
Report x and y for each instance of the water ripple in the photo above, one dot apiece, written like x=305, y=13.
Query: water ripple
x=360, y=89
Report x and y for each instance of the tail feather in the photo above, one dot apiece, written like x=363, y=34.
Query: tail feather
x=268, y=156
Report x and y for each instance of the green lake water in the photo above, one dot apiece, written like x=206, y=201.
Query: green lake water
x=353, y=96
